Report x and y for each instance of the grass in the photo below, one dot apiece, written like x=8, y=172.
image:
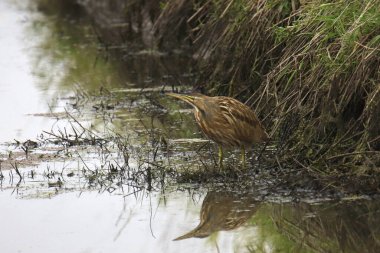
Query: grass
x=327, y=76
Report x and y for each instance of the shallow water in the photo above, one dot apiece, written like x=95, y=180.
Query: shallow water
x=69, y=199
x=19, y=94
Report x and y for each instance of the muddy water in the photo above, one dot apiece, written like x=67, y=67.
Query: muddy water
x=76, y=198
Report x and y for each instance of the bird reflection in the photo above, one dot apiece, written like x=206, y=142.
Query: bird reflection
x=222, y=211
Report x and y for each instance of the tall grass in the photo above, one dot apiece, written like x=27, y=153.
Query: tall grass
x=327, y=77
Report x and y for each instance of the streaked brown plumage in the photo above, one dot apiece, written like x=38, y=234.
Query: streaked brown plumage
x=225, y=120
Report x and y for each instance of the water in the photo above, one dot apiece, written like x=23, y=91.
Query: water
x=70, y=198
x=16, y=77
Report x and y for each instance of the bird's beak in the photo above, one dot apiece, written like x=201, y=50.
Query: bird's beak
x=187, y=98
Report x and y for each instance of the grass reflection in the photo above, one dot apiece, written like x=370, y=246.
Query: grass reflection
x=346, y=226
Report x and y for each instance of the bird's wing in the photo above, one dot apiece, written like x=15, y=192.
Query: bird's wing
x=243, y=120
x=235, y=111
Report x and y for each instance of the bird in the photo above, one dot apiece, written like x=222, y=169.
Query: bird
x=222, y=211
x=226, y=121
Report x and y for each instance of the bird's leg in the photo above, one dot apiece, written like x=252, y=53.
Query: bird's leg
x=220, y=157
x=243, y=157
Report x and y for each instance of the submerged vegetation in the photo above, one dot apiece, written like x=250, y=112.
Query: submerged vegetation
x=311, y=70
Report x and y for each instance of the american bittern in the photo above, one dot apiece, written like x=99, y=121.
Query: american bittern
x=226, y=121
